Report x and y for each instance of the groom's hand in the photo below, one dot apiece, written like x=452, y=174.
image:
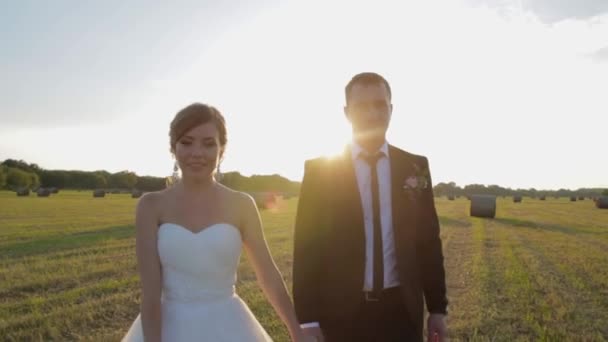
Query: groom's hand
x=437, y=328
x=315, y=332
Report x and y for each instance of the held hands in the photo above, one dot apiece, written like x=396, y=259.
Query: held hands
x=437, y=328
x=309, y=334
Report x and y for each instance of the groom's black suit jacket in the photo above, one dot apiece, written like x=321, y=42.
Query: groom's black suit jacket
x=329, y=253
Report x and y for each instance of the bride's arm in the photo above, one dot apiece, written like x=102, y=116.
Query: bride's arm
x=266, y=271
x=148, y=263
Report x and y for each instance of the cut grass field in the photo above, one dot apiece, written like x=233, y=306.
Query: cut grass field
x=538, y=271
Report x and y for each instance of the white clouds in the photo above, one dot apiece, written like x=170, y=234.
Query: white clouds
x=600, y=55
x=490, y=97
x=549, y=11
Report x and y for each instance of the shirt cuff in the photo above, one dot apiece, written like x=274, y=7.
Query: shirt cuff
x=310, y=325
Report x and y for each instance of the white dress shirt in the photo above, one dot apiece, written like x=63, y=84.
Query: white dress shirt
x=364, y=179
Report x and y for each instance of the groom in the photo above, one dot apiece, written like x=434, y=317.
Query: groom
x=367, y=249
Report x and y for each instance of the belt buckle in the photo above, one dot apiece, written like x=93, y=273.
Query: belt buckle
x=369, y=297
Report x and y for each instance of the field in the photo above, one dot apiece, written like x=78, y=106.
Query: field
x=539, y=271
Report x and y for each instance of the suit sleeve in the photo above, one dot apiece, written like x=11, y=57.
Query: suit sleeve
x=429, y=249
x=306, y=258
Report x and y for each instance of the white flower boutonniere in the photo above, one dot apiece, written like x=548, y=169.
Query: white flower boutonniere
x=417, y=182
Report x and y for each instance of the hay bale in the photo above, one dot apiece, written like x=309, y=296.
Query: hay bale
x=581, y=198
x=572, y=198
x=136, y=193
x=99, y=193
x=483, y=206
x=451, y=197
x=542, y=198
x=23, y=192
x=42, y=192
x=517, y=199
x=602, y=202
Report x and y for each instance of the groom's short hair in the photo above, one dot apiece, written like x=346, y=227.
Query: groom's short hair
x=367, y=78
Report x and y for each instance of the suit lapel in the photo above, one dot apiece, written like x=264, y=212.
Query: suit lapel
x=403, y=206
x=349, y=223
x=404, y=228
x=351, y=198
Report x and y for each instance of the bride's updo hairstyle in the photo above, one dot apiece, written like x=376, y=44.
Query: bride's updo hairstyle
x=189, y=117
x=194, y=115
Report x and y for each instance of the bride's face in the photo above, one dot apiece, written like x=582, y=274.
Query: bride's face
x=198, y=151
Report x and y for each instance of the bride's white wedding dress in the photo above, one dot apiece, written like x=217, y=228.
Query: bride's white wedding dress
x=198, y=298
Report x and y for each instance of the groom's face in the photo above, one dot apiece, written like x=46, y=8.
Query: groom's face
x=369, y=110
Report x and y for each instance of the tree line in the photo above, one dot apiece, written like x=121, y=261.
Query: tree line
x=18, y=174
x=451, y=189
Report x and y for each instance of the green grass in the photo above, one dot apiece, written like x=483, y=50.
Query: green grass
x=539, y=271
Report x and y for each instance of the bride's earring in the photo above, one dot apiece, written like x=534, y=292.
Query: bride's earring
x=218, y=174
x=175, y=175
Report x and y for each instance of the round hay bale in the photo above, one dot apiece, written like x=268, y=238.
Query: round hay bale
x=517, y=199
x=542, y=198
x=581, y=198
x=136, y=194
x=451, y=197
x=602, y=202
x=99, y=193
x=23, y=192
x=572, y=198
x=42, y=192
x=483, y=206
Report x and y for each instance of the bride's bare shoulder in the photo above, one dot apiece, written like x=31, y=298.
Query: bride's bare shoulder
x=151, y=201
x=233, y=195
x=239, y=198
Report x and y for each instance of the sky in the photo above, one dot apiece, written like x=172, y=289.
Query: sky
x=506, y=92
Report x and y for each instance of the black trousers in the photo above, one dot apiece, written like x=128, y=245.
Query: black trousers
x=385, y=320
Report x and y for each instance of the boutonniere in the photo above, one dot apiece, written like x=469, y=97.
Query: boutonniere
x=418, y=182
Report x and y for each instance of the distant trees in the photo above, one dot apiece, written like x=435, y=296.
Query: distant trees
x=2, y=177
x=447, y=189
x=260, y=183
x=21, y=165
x=17, y=174
x=18, y=179
x=148, y=183
x=122, y=180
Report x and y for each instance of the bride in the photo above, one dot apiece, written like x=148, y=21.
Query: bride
x=188, y=243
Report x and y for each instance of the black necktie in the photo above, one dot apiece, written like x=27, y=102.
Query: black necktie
x=378, y=278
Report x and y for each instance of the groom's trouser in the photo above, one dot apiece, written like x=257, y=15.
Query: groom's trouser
x=385, y=320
